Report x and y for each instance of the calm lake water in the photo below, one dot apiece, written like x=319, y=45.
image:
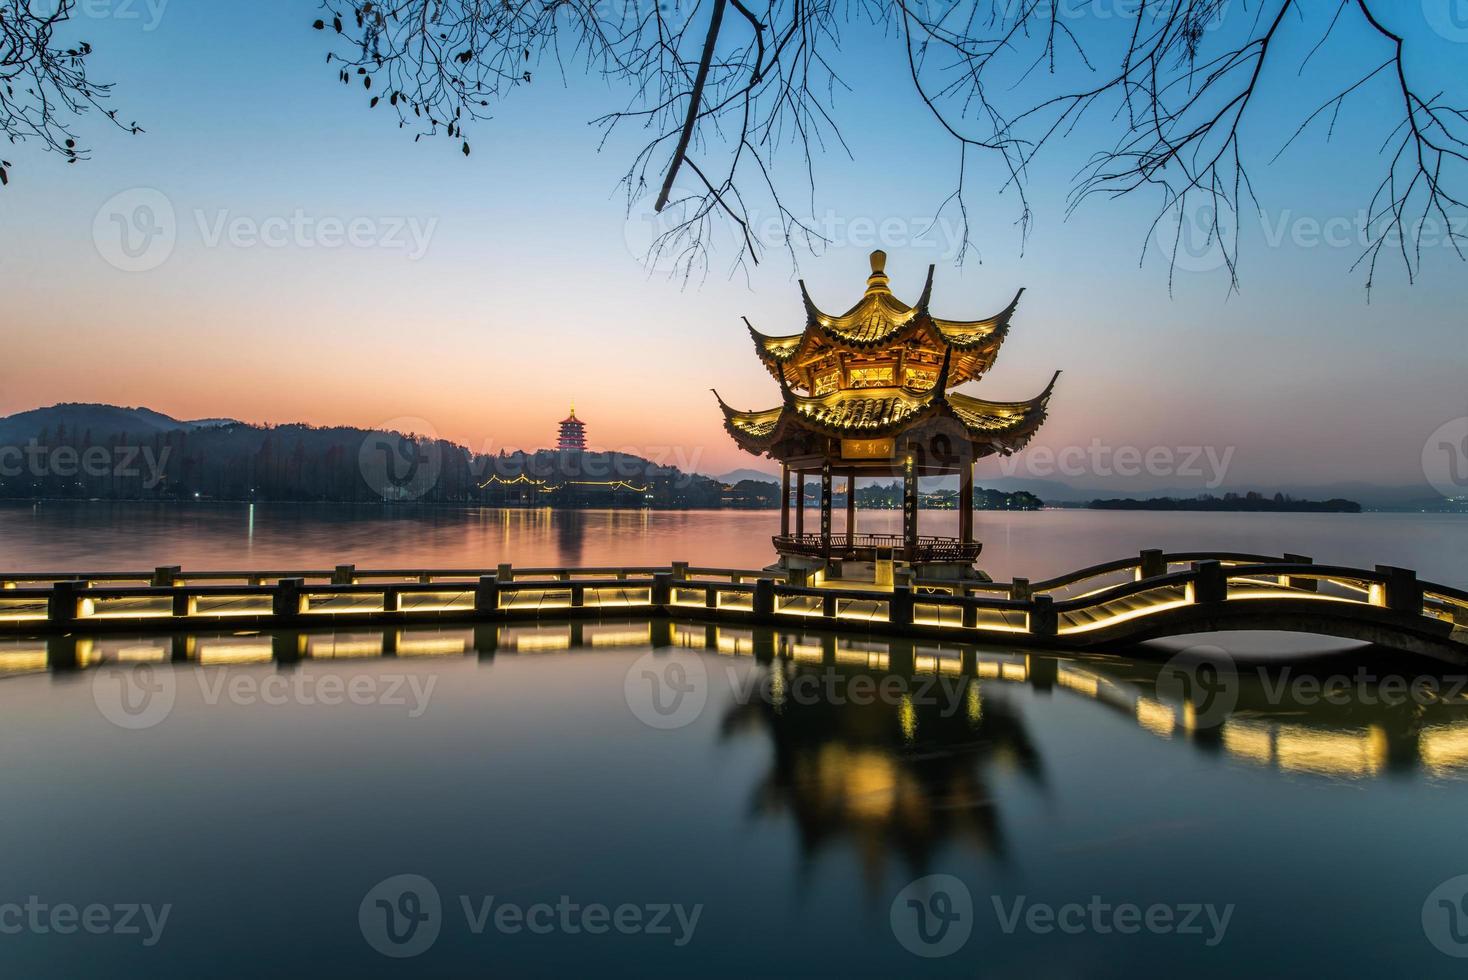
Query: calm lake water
x=641, y=799
x=797, y=808
x=106, y=536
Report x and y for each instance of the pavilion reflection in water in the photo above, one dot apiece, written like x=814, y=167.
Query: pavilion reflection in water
x=842, y=746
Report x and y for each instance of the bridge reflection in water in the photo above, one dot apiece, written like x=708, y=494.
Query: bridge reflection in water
x=894, y=766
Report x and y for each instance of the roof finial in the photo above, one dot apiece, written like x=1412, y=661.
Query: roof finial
x=878, y=279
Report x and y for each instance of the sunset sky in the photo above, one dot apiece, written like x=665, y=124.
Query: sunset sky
x=530, y=290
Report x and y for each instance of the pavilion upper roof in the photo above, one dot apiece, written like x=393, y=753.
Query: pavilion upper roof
x=880, y=325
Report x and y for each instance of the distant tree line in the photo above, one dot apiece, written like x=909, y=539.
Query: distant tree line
x=1251, y=501
x=298, y=462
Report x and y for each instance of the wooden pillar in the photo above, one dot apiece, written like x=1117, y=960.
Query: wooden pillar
x=851, y=509
x=909, y=507
x=799, y=502
x=784, y=501
x=966, y=501
x=826, y=507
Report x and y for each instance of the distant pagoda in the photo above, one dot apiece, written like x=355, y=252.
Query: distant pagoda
x=869, y=393
x=573, y=433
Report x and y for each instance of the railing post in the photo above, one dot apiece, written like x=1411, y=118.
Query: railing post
x=184, y=605
x=1019, y=590
x=1151, y=564
x=164, y=576
x=1308, y=584
x=578, y=596
x=1044, y=620
x=344, y=575
x=711, y=597
x=392, y=600
x=764, y=597
x=969, y=616
x=662, y=588
x=828, y=606
x=1402, y=592
x=505, y=572
x=61, y=607
x=286, y=602
x=1209, y=582
x=899, y=607
x=680, y=571
x=487, y=596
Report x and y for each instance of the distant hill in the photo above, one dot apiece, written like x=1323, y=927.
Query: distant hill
x=102, y=421
x=734, y=476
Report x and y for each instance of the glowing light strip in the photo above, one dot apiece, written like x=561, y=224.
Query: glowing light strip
x=1123, y=617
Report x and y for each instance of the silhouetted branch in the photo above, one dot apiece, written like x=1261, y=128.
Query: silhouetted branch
x=1170, y=86
x=43, y=86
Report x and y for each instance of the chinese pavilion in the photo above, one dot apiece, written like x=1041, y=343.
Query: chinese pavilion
x=573, y=432
x=870, y=393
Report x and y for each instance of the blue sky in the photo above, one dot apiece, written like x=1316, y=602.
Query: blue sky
x=529, y=291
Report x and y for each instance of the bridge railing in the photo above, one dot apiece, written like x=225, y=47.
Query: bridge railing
x=1016, y=610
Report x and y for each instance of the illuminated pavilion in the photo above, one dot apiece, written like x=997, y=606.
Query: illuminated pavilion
x=870, y=393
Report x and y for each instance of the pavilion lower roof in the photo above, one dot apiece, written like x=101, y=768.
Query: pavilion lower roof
x=879, y=413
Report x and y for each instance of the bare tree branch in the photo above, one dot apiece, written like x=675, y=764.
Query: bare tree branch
x=1171, y=86
x=44, y=86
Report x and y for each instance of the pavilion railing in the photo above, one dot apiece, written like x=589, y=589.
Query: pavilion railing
x=872, y=546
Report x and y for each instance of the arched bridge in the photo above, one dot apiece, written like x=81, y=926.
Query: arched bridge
x=1149, y=596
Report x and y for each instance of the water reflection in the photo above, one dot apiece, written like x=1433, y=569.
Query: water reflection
x=904, y=769
x=900, y=772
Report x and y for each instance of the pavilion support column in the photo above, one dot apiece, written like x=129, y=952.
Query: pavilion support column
x=799, y=502
x=851, y=510
x=909, y=507
x=826, y=509
x=784, y=501
x=966, y=502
